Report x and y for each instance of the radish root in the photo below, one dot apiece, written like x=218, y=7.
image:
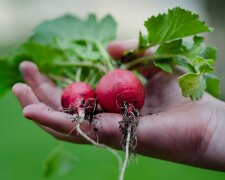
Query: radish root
x=128, y=126
x=127, y=153
x=83, y=114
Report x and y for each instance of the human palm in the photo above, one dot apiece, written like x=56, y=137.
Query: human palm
x=171, y=127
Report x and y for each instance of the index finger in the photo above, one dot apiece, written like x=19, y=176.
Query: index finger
x=105, y=125
x=116, y=50
x=43, y=88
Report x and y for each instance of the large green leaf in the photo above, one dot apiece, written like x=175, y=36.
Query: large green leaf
x=192, y=85
x=177, y=23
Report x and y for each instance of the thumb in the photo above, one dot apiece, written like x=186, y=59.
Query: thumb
x=116, y=49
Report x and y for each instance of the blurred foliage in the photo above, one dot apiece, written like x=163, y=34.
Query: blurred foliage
x=66, y=49
x=59, y=162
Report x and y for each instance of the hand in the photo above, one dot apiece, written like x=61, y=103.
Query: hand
x=172, y=128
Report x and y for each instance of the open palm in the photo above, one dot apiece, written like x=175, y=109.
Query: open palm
x=172, y=127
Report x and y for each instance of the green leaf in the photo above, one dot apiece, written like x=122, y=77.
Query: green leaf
x=206, y=68
x=177, y=23
x=212, y=84
x=46, y=57
x=59, y=162
x=196, y=47
x=63, y=28
x=209, y=53
x=9, y=75
x=192, y=85
x=165, y=66
x=188, y=55
x=69, y=39
x=142, y=42
x=41, y=53
x=173, y=47
x=61, y=31
x=107, y=29
x=203, y=65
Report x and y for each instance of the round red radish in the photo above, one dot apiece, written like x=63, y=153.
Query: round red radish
x=119, y=87
x=77, y=95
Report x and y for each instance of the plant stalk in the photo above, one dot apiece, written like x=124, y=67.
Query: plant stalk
x=81, y=64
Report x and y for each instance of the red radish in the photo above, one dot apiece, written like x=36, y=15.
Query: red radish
x=77, y=96
x=120, y=91
x=119, y=87
x=77, y=99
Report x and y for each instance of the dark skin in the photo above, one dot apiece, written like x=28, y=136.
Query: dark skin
x=172, y=127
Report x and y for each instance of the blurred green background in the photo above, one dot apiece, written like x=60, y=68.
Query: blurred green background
x=24, y=147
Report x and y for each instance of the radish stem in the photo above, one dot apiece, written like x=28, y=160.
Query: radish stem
x=78, y=75
x=149, y=59
x=105, y=56
x=60, y=78
x=81, y=64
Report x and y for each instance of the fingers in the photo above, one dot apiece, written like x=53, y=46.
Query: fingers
x=168, y=135
x=163, y=135
x=42, y=114
x=105, y=125
x=41, y=85
x=24, y=94
x=26, y=97
x=61, y=136
x=116, y=49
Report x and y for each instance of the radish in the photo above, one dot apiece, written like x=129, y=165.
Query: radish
x=120, y=91
x=119, y=87
x=78, y=99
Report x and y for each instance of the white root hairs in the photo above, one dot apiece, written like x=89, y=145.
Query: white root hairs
x=130, y=134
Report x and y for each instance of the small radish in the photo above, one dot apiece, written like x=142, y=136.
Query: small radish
x=120, y=91
x=119, y=87
x=78, y=98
